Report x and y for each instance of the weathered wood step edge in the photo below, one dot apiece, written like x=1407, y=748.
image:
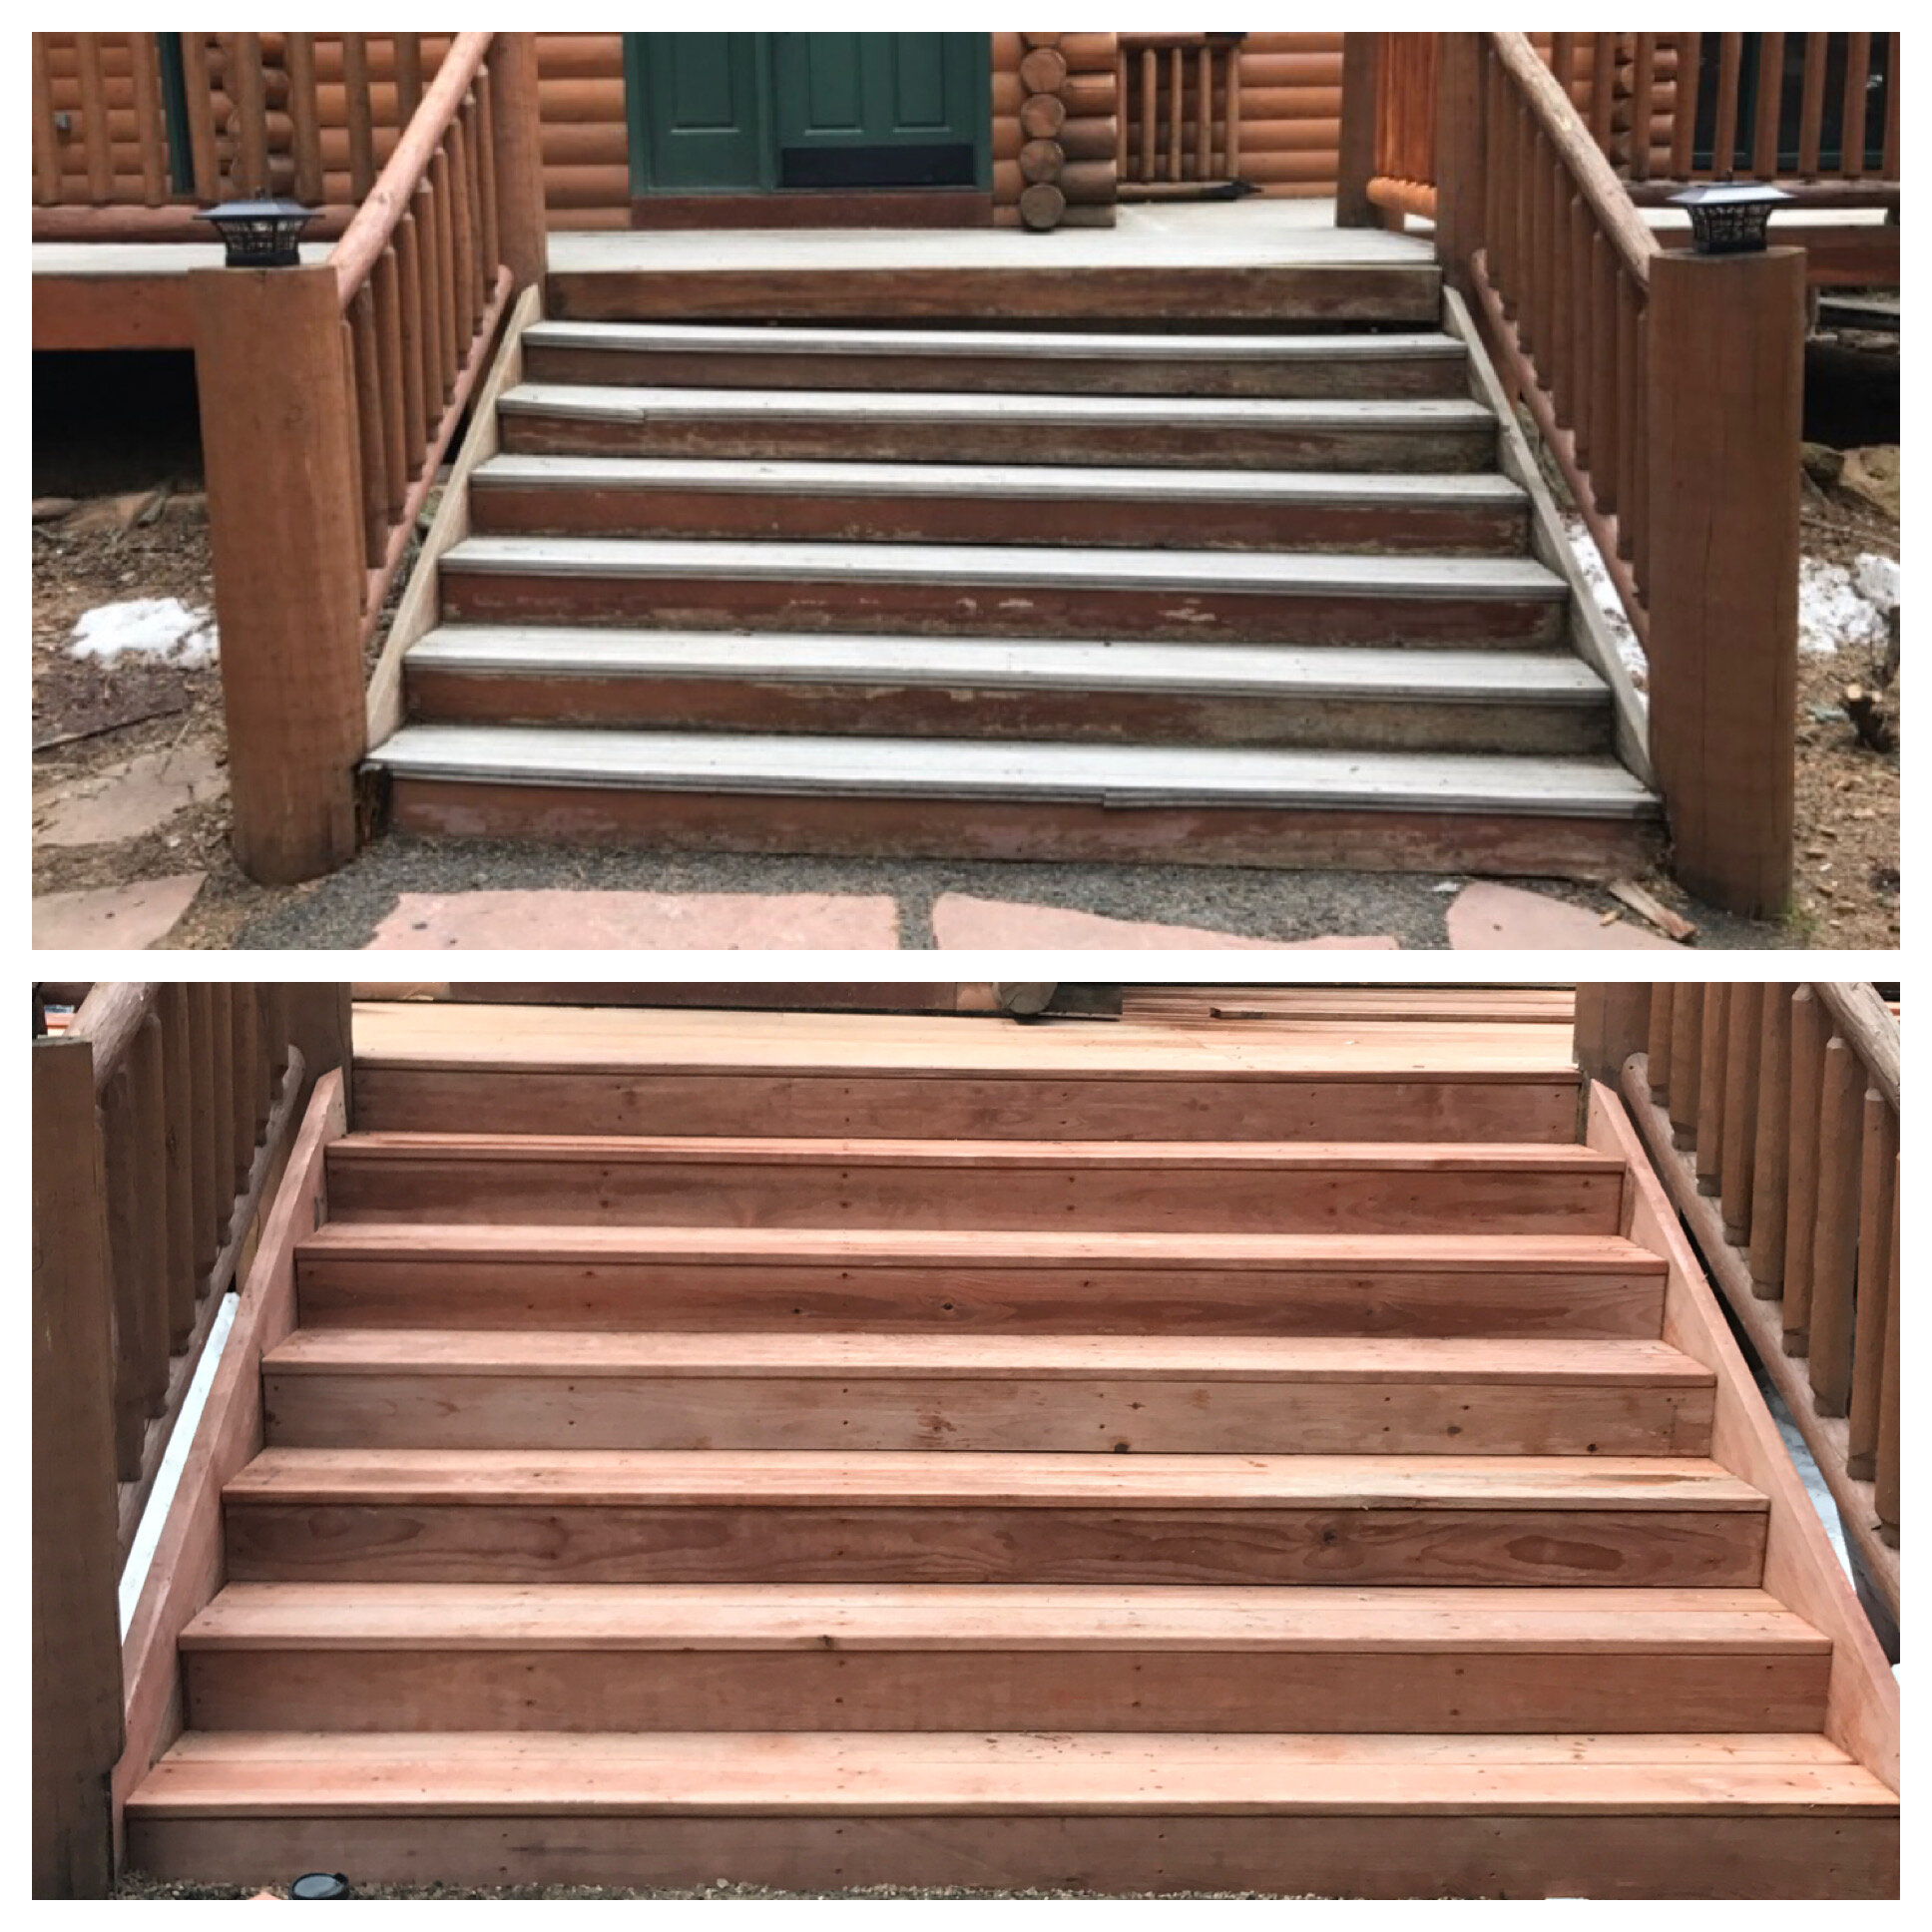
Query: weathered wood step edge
x=1055, y=771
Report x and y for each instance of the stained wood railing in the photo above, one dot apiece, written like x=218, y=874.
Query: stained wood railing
x=164, y=1116
x=329, y=395
x=1772, y=1115
x=1666, y=386
x=1180, y=115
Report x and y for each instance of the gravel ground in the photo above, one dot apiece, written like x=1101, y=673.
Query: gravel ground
x=343, y=910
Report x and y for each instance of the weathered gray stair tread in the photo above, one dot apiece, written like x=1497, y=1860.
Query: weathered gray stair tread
x=598, y=402
x=1115, y=776
x=919, y=1479
x=1043, y=345
x=1462, y=489
x=1482, y=1254
x=1315, y=572
x=1221, y=671
x=574, y=1354
x=782, y=1776
x=1402, y=1618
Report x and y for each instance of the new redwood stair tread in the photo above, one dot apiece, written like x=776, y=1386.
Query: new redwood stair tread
x=1397, y=1619
x=819, y=1774
x=918, y=1479
x=578, y=1354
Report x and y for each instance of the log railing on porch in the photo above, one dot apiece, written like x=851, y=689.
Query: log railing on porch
x=164, y=1117
x=1668, y=388
x=1180, y=115
x=329, y=394
x=1771, y=1114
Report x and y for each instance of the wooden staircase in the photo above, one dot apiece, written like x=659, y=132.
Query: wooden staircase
x=1117, y=1489
x=1199, y=590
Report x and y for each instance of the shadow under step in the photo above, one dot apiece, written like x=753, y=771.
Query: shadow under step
x=1537, y=815
x=1642, y=1816
x=370, y=1273
x=1477, y=513
x=345, y=1388
x=1212, y=364
x=1146, y=693
x=1245, y=432
x=992, y=1658
x=1003, y=591
x=1289, y=1187
x=809, y=1516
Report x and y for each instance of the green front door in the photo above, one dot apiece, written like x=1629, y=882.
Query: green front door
x=742, y=113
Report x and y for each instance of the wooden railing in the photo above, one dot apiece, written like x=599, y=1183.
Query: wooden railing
x=329, y=394
x=1180, y=113
x=164, y=1116
x=1668, y=388
x=1771, y=1113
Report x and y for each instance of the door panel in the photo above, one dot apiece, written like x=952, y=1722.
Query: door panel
x=698, y=111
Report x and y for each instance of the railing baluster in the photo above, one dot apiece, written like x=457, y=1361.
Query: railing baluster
x=1891, y=108
x=1643, y=84
x=1712, y=1087
x=221, y=1086
x=240, y=1093
x=1834, y=1252
x=429, y=279
x=1656, y=1050
x=463, y=269
x=1879, y=1174
x=96, y=140
x=486, y=178
x=1885, y=1477
x=122, y=1162
x=1231, y=113
x=1817, y=49
x=442, y=218
x=355, y=88
x=1742, y=1051
x=1770, y=1169
x=1724, y=139
x=369, y=425
x=407, y=50
x=1563, y=63
x=1684, y=105
x=1176, y=82
x=250, y=104
x=145, y=60
x=1583, y=398
x=1606, y=412
x=390, y=379
x=1150, y=83
x=1771, y=103
x=198, y=83
x=1687, y=1063
x=1808, y=1030
x=299, y=50
x=1603, y=86
x=409, y=291
x=1851, y=151
x=177, y=1090
x=47, y=166
x=201, y=1073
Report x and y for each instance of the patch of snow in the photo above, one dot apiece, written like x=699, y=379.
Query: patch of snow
x=161, y=628
x=1876, y=578
x=1833, y=611
x=1603, y=594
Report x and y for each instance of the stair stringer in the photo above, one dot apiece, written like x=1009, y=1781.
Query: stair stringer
x=1800, y=1569
x=420, y=609
x=1587, y=633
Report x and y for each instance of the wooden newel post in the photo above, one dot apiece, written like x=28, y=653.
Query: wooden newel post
x=1461, y=153
x=518, y=127
x=76, y=1631
x=1612, y=1023
x=317, y=1015
x=1727, y=358
x=1361, y=80
x=279, y=424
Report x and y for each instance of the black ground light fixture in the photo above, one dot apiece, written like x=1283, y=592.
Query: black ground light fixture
x=1730, y=217
x=321, y=1885
x=260, y=234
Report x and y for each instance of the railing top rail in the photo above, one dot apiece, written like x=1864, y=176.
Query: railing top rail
x=109, y=1018
x=365, y=237
x=1868, y=1027
x=1621, y=221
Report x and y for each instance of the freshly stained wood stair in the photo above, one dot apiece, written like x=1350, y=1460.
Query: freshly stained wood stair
x=1215, y=594
x=1193, y=1509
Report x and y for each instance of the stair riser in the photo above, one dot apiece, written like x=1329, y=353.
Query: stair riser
x=1496, y=845
x=473, y=1542
x=694, y=1299
x=854, y=439
x=1366, y=1690
x=1270, y=295
x=943, y=608
x=430, y=1409
x=1345, y=375
x=720, y=1193
x=451, y=697
x=444, y=1099
x=1380, y=1854
x=938, y=516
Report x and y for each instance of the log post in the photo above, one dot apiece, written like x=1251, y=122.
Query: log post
x=1727, y=337
x=316, y=1015
x=76, y=1560
x=517, y=128
x=278, y=434
x=1361, y=82
x=1461, y=154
